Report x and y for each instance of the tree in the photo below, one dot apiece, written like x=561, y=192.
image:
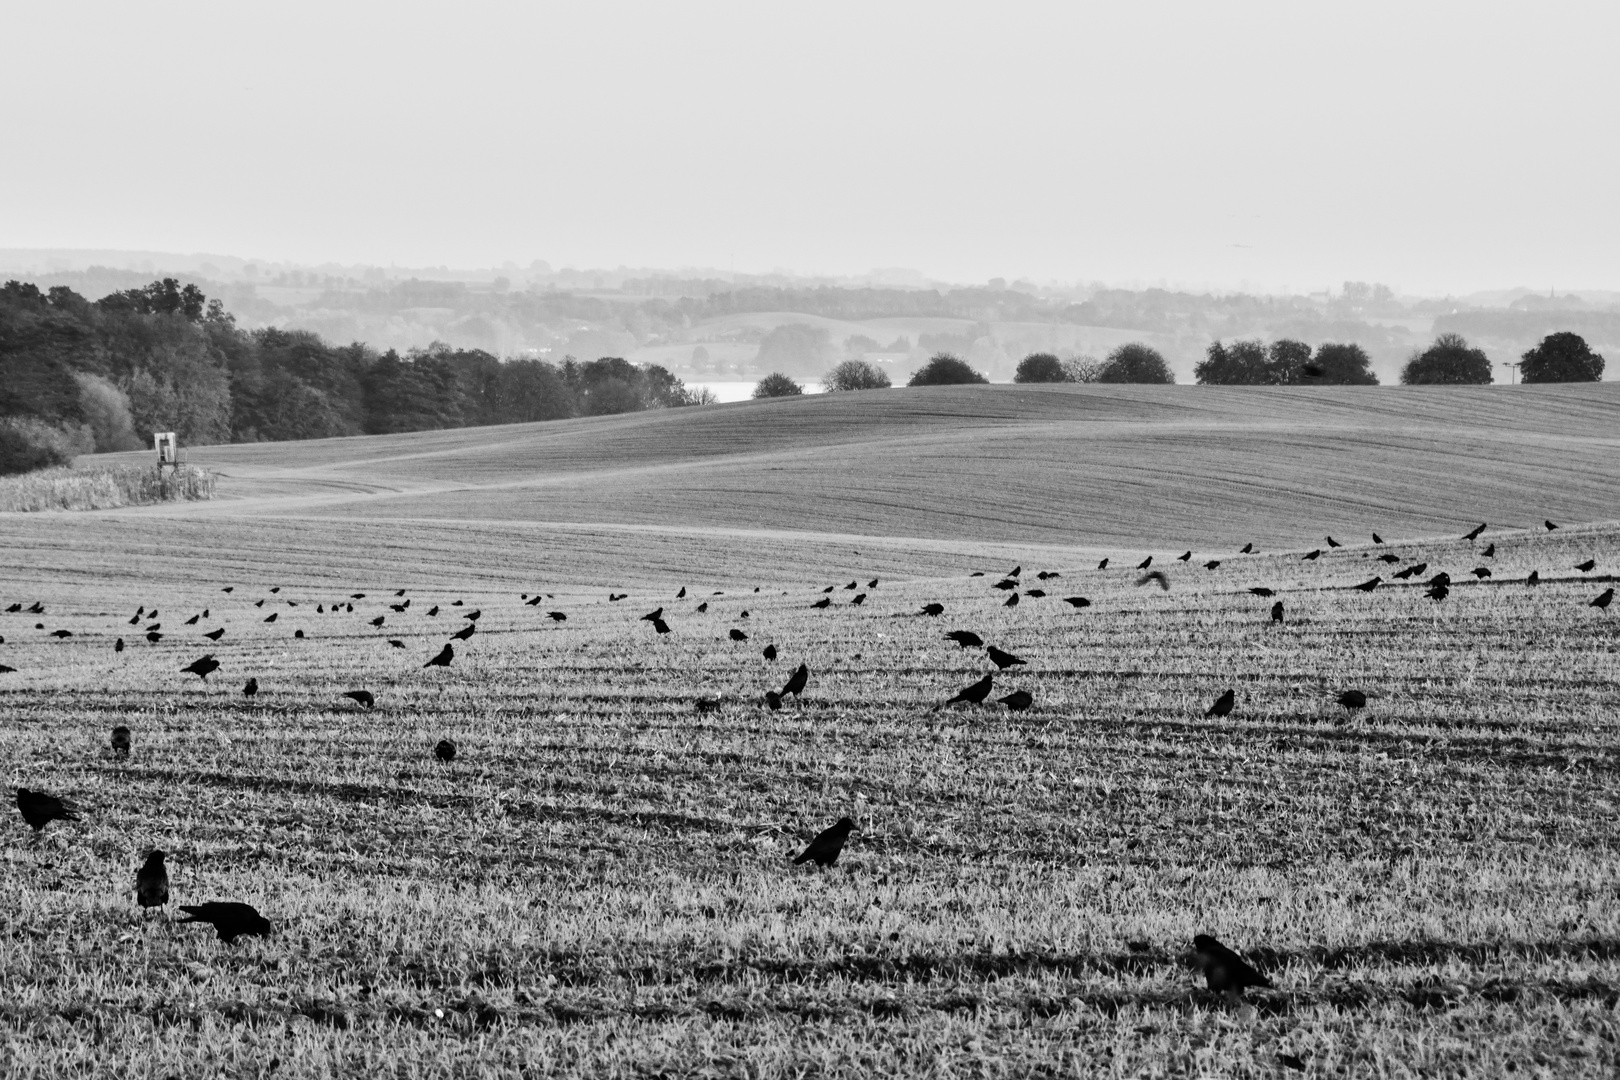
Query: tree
x=1040, y=368
x=1561, y=357
x=855, y=375
x=943, y=369
x=1082, y=369
x=1341, y=365
x=1242, y=363
x=1135, y=363
x=777, y=385
x=1449, y=361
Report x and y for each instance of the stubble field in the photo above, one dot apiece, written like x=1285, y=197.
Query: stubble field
x=600, y=883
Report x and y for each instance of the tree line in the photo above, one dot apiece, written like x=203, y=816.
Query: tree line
x=78, y=376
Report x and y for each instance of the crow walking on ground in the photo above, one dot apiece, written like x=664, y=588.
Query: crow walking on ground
x=445, y=750
x=152, y=882
x=1389, y=557
x=361, y=697
x=1223, y=704
x=769, y=653
x=825, y=601
x=1586, y=567
x=1011, y=601
x=118, y=646
x=1077, y=601
x=1003, y=660
x=1277, y=612
x=738, y=635
x=797, y=681
x=1262, y=591
x=1185, y=556
x=40, y=809
x=215, y=635
x=1489, y=552
x=1246, y=549
x=965, y=638
x=251, y=687
x=1352, y=700
x=1224, y=970
x=973, y=694
x=1474, y=535
x=1103, y=565
x=825, y=848
x=1602, y=601
x=1145, y=563
x=120, y=741
x=1212, y=564
x=1368, y=585
x=1550, y=526
x=465, y=632
x=933, y=609
x=1018, y=700
x=653, y=616
x=1314, y=553
x=230, y=919
x=202, y=667
x=1377, y=539
x=446, y=655
x=660, y=626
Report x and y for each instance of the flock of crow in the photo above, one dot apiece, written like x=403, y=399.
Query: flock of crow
x=1225, y=971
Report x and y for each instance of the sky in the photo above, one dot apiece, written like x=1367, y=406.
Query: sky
x=1440, y=148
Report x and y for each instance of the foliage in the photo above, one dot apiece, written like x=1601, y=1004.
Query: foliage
x=1082, y=369
x=1041, y=368
x=1449, y=361
x=777, y=385
x=1135, y=362
x=27, y=443
x=943, y=369
x=1561, y=357
x=1342, y=365
x=855, y=375
x=1285, y=362
x=103, y=488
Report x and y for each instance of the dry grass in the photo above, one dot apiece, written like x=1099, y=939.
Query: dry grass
x=103, y=488
x=599, y=884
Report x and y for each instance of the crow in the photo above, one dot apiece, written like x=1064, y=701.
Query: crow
x=445, y=750
x=974, y=694
x=825, y=601
x=1586, y=567
x=1534, y=578
x=1438, y=591
x=769, y=653
x=18, y=607
x=152, y=882
x=38, y=608
x=1047, y=575
x=1377, y=539
x=856, y=601
x=851, y=585
x=978, y=573
x=357, y=596
x=1314, y=553
x=433, y=612
x=1602, y=601
x=738, y=635
x=154, y=637
x=228, y=588
x=232, y=920
x=797, y=681
x=276, y=589
x=825, y=848
x=1263, y=591
x=556, y=616
x=1103, y=565
x=215, y=635
x=773, y=700
x=251, y=687
x=446, y=655
x=1277, y=612
x=653, y=616
x=378, y=621
x=535, y=602
x=320, y=609
x=397, y=609
x=1018, y=700
x=682, y=594
x=1246, y=549
x=1212, y=564
x=829, y=588
x=1004, y=660
x=706, y=705
x=1411, y=571
x=1353, y=700
x=465, y=632
x=394, y=642
x=118, y=646
x=660, y=626
x=1011, y=601
x=193, y=620
x=1369, y=585
x=1442, y=578
x=1224, y=970
x=1481, y=572
x=120, y=741
x=870, y=585
x=1036, y=593
x=4, y=669
x=1332, y=543
x=1550, y=526
x=613, y=598
x=1489, y=552
x=1185, y=556
x=1077, y=601
x=298, y=634
x=61, y=633
x=40, y=809
x=348, y=608
x=1145, y=563
x=202, y=667
x=1389, y=557
x=457, y=603
x=1223, y=704
x=933, y=609
x=705, y=606
x=270, y=617
x=1157, y=576
x=361, y=697
x=1474, y=535
x=1005, y=583
x=258, y=603
x=965, y=638
x=155, y=626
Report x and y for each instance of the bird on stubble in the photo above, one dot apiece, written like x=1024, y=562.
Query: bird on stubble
x=1603, y=599
x=1277, y=612
x=1077, y=601
x=1223, y=705
x=828, y=844
x=465, y=632
x=1587, y=566
x=1351, y=700
x=738, y=635
x=973, y=694
x=967, y=639
x=797, y=681
x=1018, y=700
x=1368, y=585
x=933, y=610
x=152, y=882
x=363, y=698
x=769, y=652
x=120, y=741
x=446, y=655
x=445, y=750
x=229, y=919
x=39, y=809
x=1225, y=972
x=251, y=687
x=1011, y=601
x=202, y=667
x=1003, y=660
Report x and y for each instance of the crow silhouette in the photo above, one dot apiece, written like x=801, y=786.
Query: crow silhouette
x=1314, y=553
x=193, y=620
x=973, y=694
x=1035, y=593
x=1225, y=971
x=465, y=632
x=152, y=882
x=769, y=653
x=738, y=635
x=829, y=588
x=215, y=635
x=682, y=594
x=825, y=848
x=1603, y=599
x=1332, y=543
x=298, y=634
x=395, y=643
x=825, y=601
x=38, y=608
x=797, y=681
x=1212, y=564
x=1018, y=700
x=1586, y=567
x=705, y=606
x=276, y=589
x=61, y=633
x=1261, y=590
x=1246, y=549
x=1438, y=591
x=1223, y=704
x=1015, y=571
x=18, y=607
x=660, y=626
x=1353, y=700
x=230, y=919
x=1011, y=601
x=1410, y=571
x=1145, y=563
x=534, y=602
x=1550, y=526
x=706, y=705
x=1185, y=556
x=870, y=585
x=154, y=637
x=933, y=609
x=1277, y=611
x=40, y=809
x=1481, y=572
x=1389, y=557
x=556, y=616
x=378, y=621
x=1103, y=565
x=1474, y=534
x=1369, y=585
x=1489, y=552
x=228, y=588
x=614, y=598
x=120, y=741
x=357, y=596
x=361, y=697
x=1442, y=578
x=965, y=638
x=1377, y=539
x=397, y=609
x=773, y=700
x=855, y=601
x=1157, y=576
x=445, y=750
x=118, y=646
x=1048, y=575
x=653, y=616
x=433, y=612
x=202, y=667
x=258, y=603
x=251, y=687
x=1077, y=601
x=852, y=585
x=1004, y=660
x=1534, y=578
x=446, y=655
x=270, y=617
x=1005, y=583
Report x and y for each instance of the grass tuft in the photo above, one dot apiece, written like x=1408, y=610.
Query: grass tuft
x=103, y=488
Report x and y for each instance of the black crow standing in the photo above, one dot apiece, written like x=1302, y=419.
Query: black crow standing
x=251, y=687
x=1224, y=970
x=1184, y=557
x=1534, y=578
x=1481, y=572
x=653, y=616
x=1602, y=601
x=1389, y=557
x=1332, y=543
x=446, y=655
x=1077, y=601
x=1489, y=552
x=1223, y=704
x=1353, y=700
x=118, y=646
x=1550, y=526
x=965, y=638
x=1314, y=553
x=973, y=694
x=1377, y=539
x=1011, y=601
x=40, y=809
x=825, y=848
x=797, y=681
x=120, y=741
x=770, y=652
x=738, y=635
x=1261, y=590
x=557, y=616
x=773, y=699
x=445, y=750
x=1003, y=660
x=361, y=697
x=1474, y=534
x=1368, y=585
x=232, y=920
x=1018, y=700
x=1277, y=612
x=465, y=632
x=1212, y=564
x=1145, y=563
x=1586, y=567
x=202, y=667
x=660, y=626
x=1246, y=549
x=215, y=635
x=152, y=881
x=379, y=620
x=933, y=609
x=1103, y=565
x=825, y=601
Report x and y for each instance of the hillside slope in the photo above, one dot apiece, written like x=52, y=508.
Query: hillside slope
x=1123, y=466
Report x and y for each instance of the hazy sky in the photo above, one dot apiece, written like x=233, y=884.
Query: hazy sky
x=1437, y=147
